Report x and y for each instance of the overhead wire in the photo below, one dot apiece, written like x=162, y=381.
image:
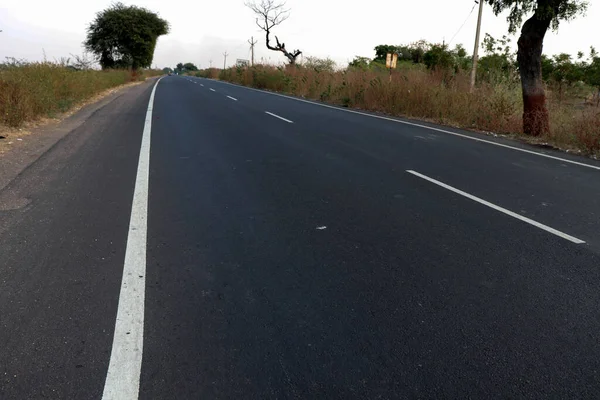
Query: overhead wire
x=464, y=23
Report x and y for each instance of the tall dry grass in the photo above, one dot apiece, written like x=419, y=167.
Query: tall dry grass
x=33, y=90
x=441, y=97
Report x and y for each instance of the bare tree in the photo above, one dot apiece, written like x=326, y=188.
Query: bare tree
x=269, y=14
x=82, y=62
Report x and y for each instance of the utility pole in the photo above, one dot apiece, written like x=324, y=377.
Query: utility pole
x=210, y=63
x=476, y=51
x=225, y=61
x=252, y=43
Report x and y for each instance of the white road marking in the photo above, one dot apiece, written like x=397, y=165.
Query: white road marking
x=232, y=98
x=201, y=85
x=423, y=126
x=498, y=208
x=281, y=118
x=212, y=90
x=123, y=377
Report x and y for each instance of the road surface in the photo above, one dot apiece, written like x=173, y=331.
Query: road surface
x=196, y=239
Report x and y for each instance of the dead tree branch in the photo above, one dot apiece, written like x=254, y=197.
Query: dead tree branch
x=269, y=14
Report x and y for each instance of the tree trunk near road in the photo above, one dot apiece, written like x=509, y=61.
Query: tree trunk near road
x=529, y=56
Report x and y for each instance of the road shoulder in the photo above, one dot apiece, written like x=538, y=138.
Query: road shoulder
x=26, y=150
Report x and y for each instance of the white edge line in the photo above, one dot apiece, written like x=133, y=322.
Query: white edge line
x=498, y=208
x=422, y=126
x=232, y=98
x=123, y=376
x=281, y=118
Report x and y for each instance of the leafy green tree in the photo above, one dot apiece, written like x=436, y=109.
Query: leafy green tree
x=498, y=62
x=418, y=50
x=360, y=62
x=547, y=67
x=125, y=36
x=438, y=57
x=566, y=72
x=404, y=53
x=167, y=70
x=546, y=14
x=463, y=60
x=319, y=64
x=382, y=51
x=592, y=73
x=189, y=67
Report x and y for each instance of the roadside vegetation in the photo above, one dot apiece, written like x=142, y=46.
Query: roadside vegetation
x=545, y=99
x=432, y=83
x=29, y=91
x=121, y=39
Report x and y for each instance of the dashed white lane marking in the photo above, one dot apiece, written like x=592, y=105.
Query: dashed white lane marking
x=232, y=98
x=281, y=118
x=498, y=208
x=212, y=90
x=123, y=377
x=424, y=127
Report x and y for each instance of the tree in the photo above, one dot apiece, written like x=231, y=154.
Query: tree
x=360, y=62
x=418, y=50
x=438, y=57
x=125, y=36
x=189, y=67
x=498, y=62
x=382, y=51
x=547, y=67
x=167, y=70
x=269, y=14
x=546, y=14
x=592, y=73
x=565, y=71
x=319, y=64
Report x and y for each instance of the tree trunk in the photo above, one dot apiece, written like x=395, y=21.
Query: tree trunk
x=529, y=57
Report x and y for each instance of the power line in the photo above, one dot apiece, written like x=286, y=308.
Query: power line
x=464, y=23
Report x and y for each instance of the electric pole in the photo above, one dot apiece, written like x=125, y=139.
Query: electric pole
x=476, y=51
x=210, y=63
x=225, y=60
x=252, y=43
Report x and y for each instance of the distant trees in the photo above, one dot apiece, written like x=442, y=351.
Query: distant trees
x=167, y=70
x=125, y=36
x=414, y=52
x=269, y=14
x=319, y=64
x=190, y=67
x=592, y=74
x=360, y=62
x=498, y=63
x=181, y=68
x=546, y=14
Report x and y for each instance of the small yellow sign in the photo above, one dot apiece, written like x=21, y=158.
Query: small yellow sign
x=391, y=60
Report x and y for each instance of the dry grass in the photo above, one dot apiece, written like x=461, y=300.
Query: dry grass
x=40, y=90
x=433, y=96
x=14, y=137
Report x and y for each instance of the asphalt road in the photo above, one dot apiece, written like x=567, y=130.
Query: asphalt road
x=228, y=243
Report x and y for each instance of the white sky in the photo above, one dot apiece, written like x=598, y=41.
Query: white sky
x=202, y=30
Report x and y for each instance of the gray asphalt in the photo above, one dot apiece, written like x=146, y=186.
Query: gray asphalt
x=300, y=260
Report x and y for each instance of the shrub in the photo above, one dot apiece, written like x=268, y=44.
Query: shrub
x=32, y=90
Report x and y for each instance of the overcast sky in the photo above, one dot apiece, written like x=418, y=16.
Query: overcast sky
x=340, y=29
